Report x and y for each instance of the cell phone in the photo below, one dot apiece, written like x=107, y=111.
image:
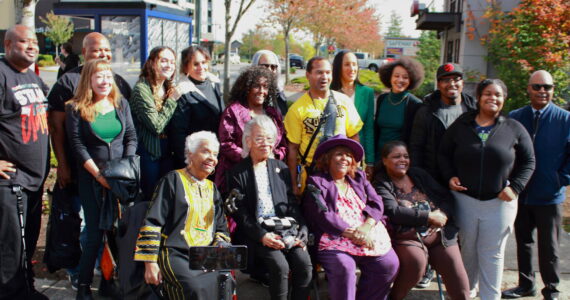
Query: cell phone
x=216, y=258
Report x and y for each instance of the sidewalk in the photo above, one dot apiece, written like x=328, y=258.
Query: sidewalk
x=247, y=289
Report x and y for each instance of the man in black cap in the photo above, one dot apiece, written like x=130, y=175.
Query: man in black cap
x=440, y=110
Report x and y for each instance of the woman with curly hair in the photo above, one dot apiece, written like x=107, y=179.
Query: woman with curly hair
x=153, y=102
x=250, y=96
x=395, y=110
x=345, y=80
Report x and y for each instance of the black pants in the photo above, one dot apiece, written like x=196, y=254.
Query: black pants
x=547, y=221
x=181, y=283
x=279, y=263
x=12, y=283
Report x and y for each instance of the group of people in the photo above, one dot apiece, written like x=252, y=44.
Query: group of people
x=338, y=179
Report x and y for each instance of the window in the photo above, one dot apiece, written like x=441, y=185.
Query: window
x=209, y=28
x=455, y=6
x=456, y=51
x=449, y=52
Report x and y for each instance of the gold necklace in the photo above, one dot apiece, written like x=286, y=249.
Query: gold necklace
x=342, y=188
x=398, y=103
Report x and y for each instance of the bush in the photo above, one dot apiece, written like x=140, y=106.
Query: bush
x=371, y=79
x=45, y=60
x=301, y=80
x=292, y=70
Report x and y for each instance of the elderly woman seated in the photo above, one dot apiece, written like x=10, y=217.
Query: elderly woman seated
x=268, y=200
x=345, y=214
x=185, y=211
x=420, y=211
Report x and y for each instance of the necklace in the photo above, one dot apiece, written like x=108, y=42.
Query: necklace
x=397, y=103
x=348, y=91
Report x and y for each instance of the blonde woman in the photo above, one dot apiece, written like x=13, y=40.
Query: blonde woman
x=100, y=128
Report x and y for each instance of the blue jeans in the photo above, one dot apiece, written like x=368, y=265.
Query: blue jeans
x=153, y=170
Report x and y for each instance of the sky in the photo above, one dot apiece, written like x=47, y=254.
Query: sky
x=383, y=7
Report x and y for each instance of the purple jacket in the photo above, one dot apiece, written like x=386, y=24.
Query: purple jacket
x=230, y=134
x=319, y=204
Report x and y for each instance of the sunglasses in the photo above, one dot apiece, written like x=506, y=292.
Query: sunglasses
x=451, y=79
x=537, y=87
x=269, y=66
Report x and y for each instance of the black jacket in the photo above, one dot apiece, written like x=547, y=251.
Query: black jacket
x=242, y=177
x=400, y=215
x=485, y=169
x=193, y=113
x=427, y=132
x=413, y=103
x=87, y=145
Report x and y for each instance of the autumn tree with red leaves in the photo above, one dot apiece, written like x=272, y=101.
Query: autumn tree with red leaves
x=533, y=36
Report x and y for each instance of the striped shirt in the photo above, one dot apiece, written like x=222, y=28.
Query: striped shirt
x=149, y=122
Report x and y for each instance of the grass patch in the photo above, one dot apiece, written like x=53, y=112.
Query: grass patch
x=567, y=228
x=366, y=77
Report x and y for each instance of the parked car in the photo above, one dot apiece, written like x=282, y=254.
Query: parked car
x=234, y=58
x=296, y=61
x=365, y=62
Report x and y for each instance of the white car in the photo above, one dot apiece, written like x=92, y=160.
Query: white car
x=234, y=58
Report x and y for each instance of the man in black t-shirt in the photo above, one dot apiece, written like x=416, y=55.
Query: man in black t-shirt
x=24, y=156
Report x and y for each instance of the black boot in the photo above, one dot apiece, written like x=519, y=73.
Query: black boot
x=108, y=288
x=84, y=292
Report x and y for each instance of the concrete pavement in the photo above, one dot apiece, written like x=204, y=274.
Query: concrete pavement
x=249, y=290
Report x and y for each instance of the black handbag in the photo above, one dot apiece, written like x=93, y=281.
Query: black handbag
x=123, y=175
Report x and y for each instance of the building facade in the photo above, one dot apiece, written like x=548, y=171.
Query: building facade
x=460, y=28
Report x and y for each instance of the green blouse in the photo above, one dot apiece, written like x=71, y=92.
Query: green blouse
x=391, y=118
x=107, y=126
x=364, y=103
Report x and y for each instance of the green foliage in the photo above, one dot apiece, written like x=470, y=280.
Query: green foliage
x=45, y=60
x=533, y=36
x=52, y=160
x=395, y=28
x=428, y=56
x=371, y=79
x=60, y=29
x=301, y=80
x=292, y=70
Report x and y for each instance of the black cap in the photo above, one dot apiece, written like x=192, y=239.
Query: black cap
x=449, y=69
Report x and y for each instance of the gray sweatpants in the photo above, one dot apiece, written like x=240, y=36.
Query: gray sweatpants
x=484, y=227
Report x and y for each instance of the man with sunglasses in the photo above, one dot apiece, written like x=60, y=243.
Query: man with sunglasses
x=269, y=60
x=540, y=204
x=440, y=109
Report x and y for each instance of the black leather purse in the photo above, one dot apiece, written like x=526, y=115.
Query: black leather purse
x=123, y=175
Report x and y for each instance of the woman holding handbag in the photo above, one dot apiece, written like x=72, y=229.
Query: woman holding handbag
x=100, y=128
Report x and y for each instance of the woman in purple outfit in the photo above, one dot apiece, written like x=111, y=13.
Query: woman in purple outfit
x=346, y=216
x=251, y=94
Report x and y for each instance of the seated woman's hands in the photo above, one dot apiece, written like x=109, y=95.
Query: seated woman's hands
x=152, y=273
x=437, y=218
x=272, y=240
x=361, y=234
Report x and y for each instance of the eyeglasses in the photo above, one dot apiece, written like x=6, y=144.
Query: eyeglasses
x=451, y=79
x=264, y=139
x=270, y=66
x=537, y=87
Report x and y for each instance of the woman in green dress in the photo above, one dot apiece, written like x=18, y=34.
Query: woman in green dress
x=396, y=109
x=345, y=80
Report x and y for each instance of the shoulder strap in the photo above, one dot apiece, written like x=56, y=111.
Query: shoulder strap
x=322, y=117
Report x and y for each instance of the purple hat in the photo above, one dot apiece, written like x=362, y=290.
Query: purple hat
x=340, y=140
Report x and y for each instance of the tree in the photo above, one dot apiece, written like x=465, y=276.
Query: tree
x=395, y=28
x=60, y=29
x=25, y=12
x=243, y=7
x=428, y=56
x=534, y=35
x=287, y=14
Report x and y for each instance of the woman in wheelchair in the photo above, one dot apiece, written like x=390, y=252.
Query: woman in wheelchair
x=268, y=217
x=346, y=216
x=186, y=210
